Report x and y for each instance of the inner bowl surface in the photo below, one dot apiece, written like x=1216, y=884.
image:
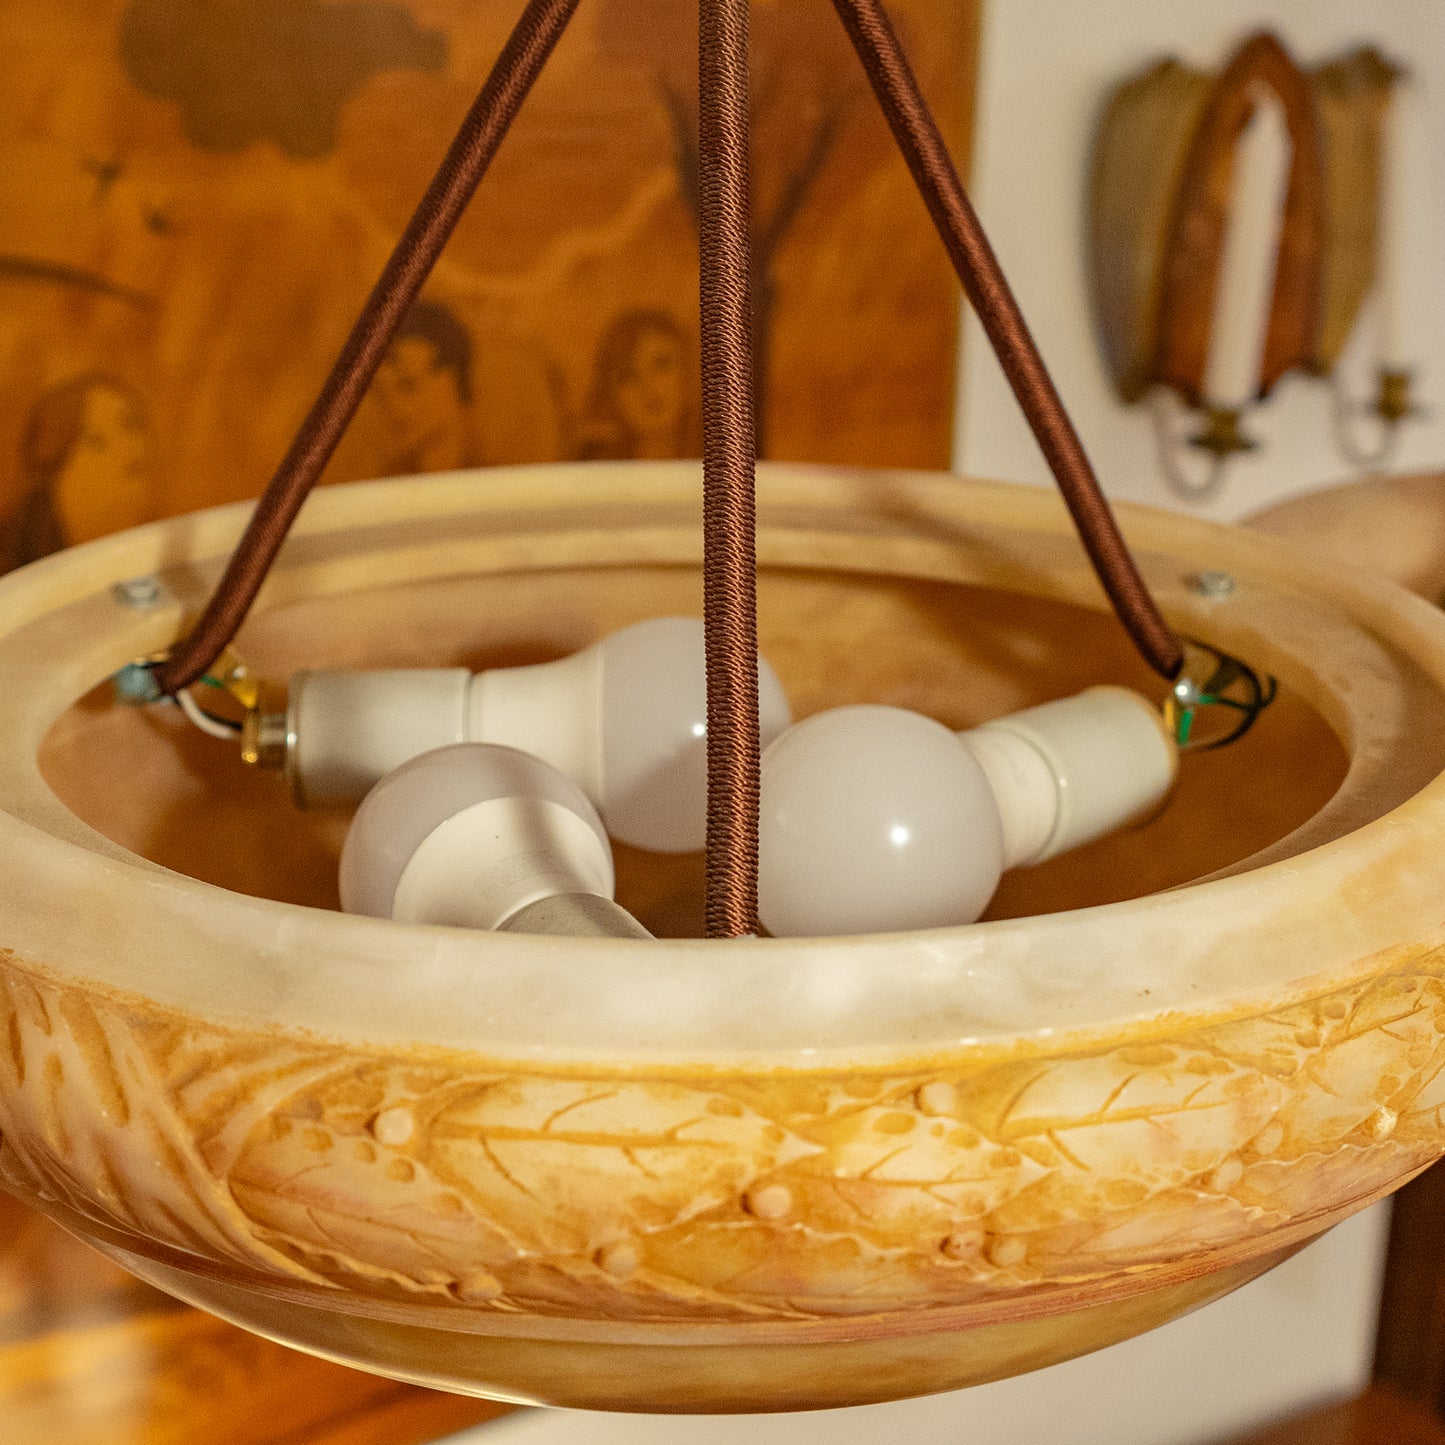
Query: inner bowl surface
x=962, y=654
x=807, y=1172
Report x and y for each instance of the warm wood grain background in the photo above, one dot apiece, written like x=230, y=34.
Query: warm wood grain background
x=194, y=200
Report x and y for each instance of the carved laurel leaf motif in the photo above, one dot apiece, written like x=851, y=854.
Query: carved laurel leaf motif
x=84, y=1108
x=606, y=1156
x=446, y=1177
x=1422, y=1109
x=780, y=1195
x=1118, y=1129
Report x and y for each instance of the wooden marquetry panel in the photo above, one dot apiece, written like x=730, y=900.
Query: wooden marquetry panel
x=195, y=199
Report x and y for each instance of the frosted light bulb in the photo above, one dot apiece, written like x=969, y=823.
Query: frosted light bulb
x=626, y=719
x=481, y=836
x=875, y=819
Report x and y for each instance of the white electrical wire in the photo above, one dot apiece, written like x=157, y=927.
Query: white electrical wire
x=214, y=727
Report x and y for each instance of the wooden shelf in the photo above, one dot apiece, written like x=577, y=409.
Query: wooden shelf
x=1381, y=1416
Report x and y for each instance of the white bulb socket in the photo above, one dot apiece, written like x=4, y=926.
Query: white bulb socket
x=1069, y=771
x=625, y=719
x=345, y=731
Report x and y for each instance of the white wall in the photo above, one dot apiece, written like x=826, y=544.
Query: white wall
x=1047, y=66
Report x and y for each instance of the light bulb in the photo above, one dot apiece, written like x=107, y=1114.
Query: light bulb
x=875, y=819
x=480, y=836
x=626, y=719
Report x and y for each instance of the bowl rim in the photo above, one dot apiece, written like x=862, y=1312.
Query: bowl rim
x=84, y=910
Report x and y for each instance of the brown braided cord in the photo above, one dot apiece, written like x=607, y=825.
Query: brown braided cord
x=517, y=67
x=729, y=464
x=730, y=604
x=983, y=280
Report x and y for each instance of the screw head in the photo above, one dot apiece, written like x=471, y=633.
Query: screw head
x=141, y=593
x=1213, y=584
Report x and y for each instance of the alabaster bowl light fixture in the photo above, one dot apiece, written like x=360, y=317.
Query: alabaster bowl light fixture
x=676, y=1174
x=521, y=1137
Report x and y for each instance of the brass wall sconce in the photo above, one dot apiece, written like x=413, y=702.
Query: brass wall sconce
x=1237, y=224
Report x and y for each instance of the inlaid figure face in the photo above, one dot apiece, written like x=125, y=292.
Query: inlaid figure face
x=423, y=388
x=638, y=405
x=87, y=460
x=649, y=389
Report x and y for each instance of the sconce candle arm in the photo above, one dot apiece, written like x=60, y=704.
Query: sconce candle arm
x=482, y=131
x=988, y=291
x=1218, y=438
x=1392, y=406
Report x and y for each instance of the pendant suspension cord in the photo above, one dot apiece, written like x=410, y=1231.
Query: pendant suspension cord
x=923, y=148
x=466, y=161
x=729, y=465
